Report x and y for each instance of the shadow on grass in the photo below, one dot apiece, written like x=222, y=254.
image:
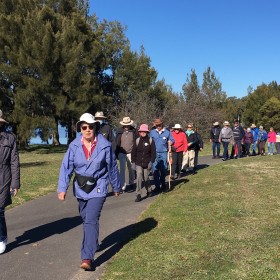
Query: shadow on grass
x=45, y=149
x=31, y=164
x=44, y=231
x=116, y=240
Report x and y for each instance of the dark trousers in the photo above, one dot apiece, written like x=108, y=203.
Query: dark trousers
x=225, y=153
x=177, y=160
x=237, y=148
x=216, y=146
x=261, y=147
x=3, y=226
x=247, y=148
x=90, y=211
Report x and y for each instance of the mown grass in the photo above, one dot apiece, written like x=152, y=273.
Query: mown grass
x=222, y=224
x=40, y=166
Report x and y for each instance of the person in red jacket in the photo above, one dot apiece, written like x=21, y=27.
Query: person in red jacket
x=179, y=148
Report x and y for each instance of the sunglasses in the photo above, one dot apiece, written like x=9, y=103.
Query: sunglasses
x=85, y=127
x=189, y=126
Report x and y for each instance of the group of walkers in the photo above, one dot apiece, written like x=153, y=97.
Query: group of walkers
x=249, y=141
x=141, y=151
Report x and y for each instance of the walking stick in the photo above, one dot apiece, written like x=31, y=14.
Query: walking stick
x=169, y=156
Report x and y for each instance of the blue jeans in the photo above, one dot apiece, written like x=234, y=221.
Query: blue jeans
x=216, y=146
x=159, y=169
x=270, y=147
x=90, y=211
x=3, y=227
x=254, y=148
x=225, y=153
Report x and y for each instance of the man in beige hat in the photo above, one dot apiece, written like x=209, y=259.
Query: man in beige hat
x=163, y=140
x=10, y=176
x=125, y=139
x=226, y=137
x=105, y=129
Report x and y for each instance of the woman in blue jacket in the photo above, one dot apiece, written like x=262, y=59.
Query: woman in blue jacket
x=91, y=158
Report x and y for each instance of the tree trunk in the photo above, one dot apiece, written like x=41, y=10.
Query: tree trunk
x=56, y=134
x=71, y=129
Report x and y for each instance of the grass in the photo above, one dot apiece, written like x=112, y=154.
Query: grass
x=40, y=166
x=222, y=224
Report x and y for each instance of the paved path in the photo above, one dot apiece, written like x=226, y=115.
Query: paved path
x=45, y=235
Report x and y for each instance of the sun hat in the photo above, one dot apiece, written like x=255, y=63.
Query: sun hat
x=216, y=123
x=157, y=121
x=1, y=119
x=177, y=126
x=226, y=123
x=87, y=118
x=261, y=127
x=126, y=121
x=99, y=115
x=253, y=125
x=144, y=128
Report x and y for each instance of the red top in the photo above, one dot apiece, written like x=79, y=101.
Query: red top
x=180, y=141
x=271, y=136
x=89, y=152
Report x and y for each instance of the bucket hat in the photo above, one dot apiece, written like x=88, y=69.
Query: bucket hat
x=177, y=126
x=1, y=119
x=226, y=123
x=216, y=123
x=144, y=128
x=99, y=115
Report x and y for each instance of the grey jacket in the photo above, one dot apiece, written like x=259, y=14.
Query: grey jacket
x=226, y=134
x=9, y=167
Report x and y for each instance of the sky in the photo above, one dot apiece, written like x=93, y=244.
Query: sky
x=238, y=39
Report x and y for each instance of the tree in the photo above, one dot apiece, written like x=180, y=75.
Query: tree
x=191, y=89
x=270, y=114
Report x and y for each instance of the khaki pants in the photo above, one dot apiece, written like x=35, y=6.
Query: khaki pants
x=142, y=175
x=188, y=160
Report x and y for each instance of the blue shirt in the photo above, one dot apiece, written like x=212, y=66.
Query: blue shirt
x=161, y=139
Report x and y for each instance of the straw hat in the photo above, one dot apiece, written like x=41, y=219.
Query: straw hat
x=226, y=123
x=216, y=123
x=177, y=126
x=1, y=119
x=99, y=115
x=126, y=121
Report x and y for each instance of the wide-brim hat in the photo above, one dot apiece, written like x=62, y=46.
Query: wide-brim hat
x=253, y=125
x=85, y=118
x=226, y=123
x=157, y=122
x=216, y=123
x=126, y=121
x=144, y=128
x=99, y=115
x=1, y=119
x=177, y=126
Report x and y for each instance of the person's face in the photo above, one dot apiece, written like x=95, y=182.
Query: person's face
x=271, y=129
x=88, y=131
x=236, y=124
x=159, y=126
x=126, y=127
x=177, y=130
x=189, y=127
x=143, y=133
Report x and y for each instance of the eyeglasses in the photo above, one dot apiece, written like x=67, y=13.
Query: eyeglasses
x=189, y=126
x=85, y=127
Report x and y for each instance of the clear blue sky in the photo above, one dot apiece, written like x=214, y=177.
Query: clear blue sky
x=238, y=39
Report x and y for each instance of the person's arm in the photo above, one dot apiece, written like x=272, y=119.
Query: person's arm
x=15, y=168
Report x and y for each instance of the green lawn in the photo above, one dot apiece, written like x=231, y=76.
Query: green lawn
x=221, y=224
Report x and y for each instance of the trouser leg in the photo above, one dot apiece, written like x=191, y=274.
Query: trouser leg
x=122, y=159
x=131, y=172
x=147, y=183
x=139, y=179
x=3, y=226
x=90, y=211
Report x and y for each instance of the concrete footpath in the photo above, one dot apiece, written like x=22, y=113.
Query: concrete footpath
x=45, y=235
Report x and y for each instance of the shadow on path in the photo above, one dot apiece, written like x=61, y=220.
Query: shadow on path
x=119, y=238
x=44, y=231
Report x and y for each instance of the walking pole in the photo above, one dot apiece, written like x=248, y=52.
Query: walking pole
x=169, y=156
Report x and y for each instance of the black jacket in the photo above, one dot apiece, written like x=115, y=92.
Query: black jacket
x=143, y=152
x=196, y=140
x=215, y=133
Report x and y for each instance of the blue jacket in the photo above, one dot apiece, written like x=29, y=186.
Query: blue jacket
x=262, y=135
x=161, y=139
x=255, y=132
x=101, y=159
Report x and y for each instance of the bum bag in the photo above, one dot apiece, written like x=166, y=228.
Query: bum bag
x=86, y=183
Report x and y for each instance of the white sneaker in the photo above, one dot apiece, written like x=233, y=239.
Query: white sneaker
x=123, y=187
x=3, y=246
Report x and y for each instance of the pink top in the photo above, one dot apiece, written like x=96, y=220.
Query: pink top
x=271, y=136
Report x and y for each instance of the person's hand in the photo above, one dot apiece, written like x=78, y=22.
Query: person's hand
x=169, y=143
x=150, y=165
x=14, y=191
x=61, y=195
x=210, y=140
x=116, y=194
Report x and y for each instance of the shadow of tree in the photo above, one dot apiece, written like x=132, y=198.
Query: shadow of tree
x=116, y=240
x=44, y=231
x=30, y=164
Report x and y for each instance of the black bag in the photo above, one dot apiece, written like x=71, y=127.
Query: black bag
x=87, y=184
x=173, y=149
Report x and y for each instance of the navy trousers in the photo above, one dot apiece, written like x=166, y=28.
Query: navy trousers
x=90, y=211
x=3, y=227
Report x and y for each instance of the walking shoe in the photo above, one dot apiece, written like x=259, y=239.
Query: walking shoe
x=86, y=264
x=124, y=187
x=3, y=246
x=150, y=194
x=138, y=198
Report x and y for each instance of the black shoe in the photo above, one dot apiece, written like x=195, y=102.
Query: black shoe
x=150, y=194
x=138, y=198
